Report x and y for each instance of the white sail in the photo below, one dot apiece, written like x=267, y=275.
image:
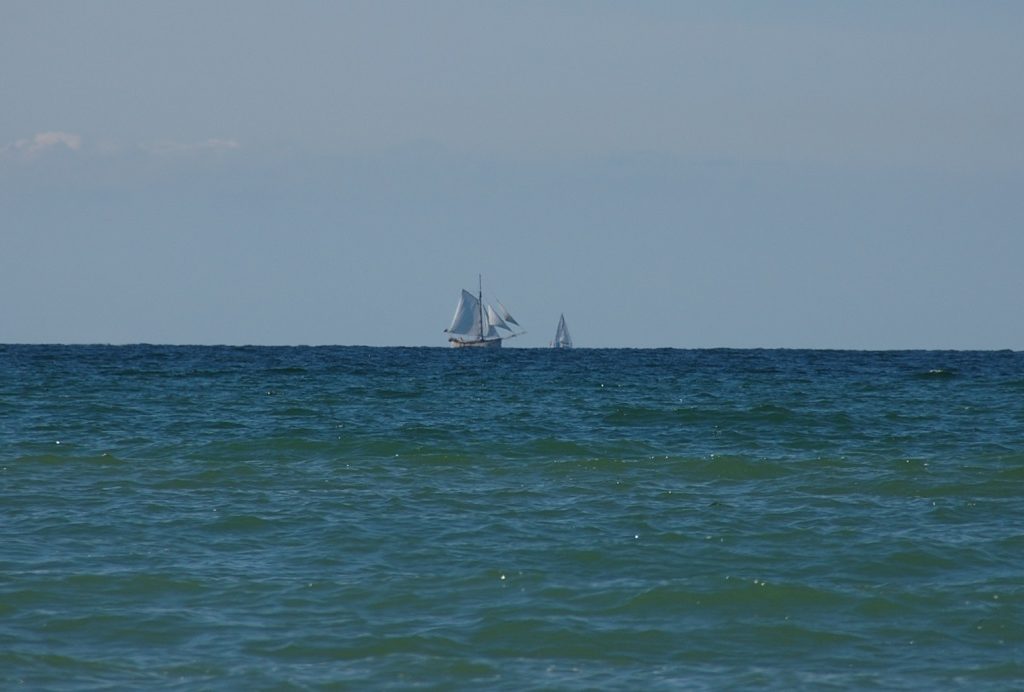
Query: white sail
x=466, y=321
x=562, y=338
x=506, y=315
x=494, y=319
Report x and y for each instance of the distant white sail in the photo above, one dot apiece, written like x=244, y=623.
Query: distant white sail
x=494, y=319
x=562, y=338
x=505, y=314
x=466, y=321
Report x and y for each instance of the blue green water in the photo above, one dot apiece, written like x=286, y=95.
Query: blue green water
x=358, y=518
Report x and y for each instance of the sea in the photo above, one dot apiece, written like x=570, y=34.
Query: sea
x=306, y=518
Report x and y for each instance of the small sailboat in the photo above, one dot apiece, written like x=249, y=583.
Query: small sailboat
x=476, y=324
x=562, y=338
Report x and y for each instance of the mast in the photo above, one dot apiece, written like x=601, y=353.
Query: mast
x=480, y=302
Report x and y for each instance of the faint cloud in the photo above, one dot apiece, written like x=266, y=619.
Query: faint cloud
x=41, y=142
x=167, y=147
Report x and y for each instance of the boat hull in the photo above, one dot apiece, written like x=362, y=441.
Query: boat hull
x=476, y=343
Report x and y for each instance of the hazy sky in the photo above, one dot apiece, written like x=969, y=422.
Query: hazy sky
x=742, y=174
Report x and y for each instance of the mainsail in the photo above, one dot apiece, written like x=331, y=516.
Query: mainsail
x=466, y=321
x=476, y=323
x=562, y=338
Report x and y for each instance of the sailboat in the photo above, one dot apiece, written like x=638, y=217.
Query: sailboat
x=476, y=324
x=562, y=338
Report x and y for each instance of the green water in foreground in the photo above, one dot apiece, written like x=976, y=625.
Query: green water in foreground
x=355, y=518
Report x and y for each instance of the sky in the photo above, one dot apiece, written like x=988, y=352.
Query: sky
x=789, y=174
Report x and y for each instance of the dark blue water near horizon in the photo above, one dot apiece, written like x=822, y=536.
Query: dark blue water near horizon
x=183, y=517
